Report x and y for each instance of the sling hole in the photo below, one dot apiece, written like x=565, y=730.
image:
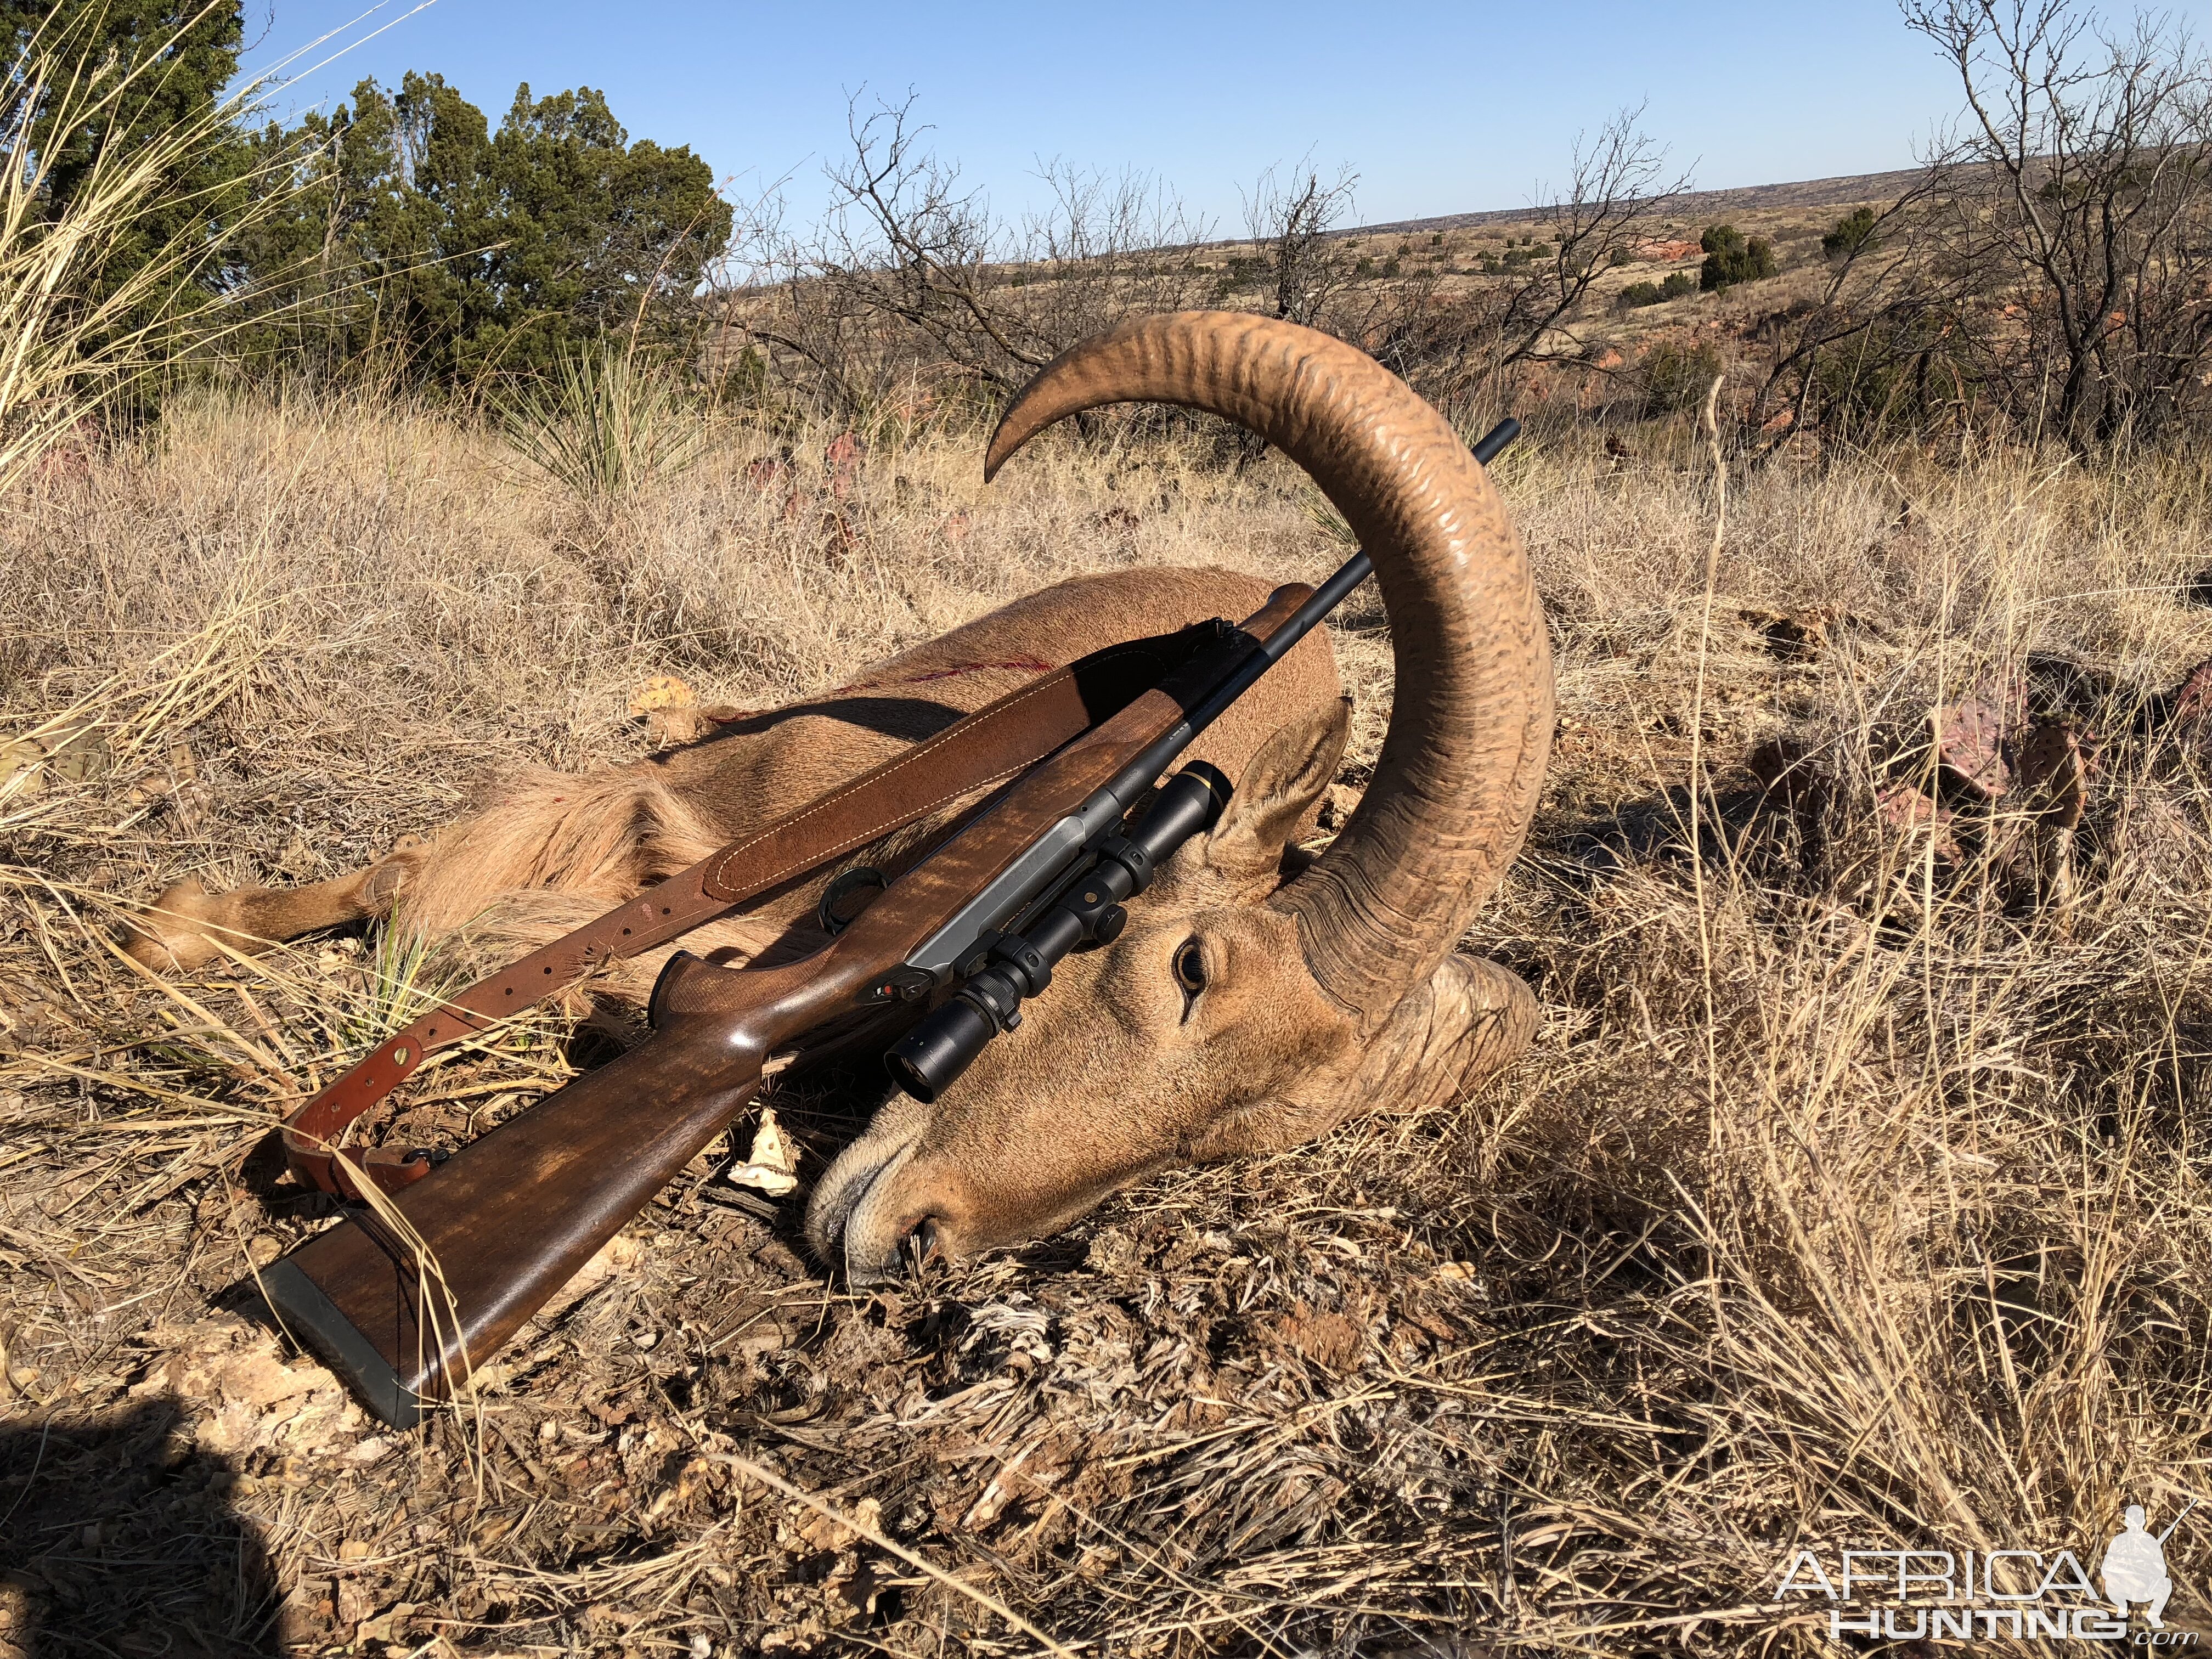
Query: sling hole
x=549, y=970
x=510, y=991
x=625, y=933
x=663, y=910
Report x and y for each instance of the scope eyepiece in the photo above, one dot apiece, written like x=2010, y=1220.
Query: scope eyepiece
x=926, y=1060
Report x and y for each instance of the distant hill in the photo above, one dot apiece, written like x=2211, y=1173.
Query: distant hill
x=1846, y=191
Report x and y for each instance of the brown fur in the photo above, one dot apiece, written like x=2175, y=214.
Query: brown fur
x=602, y=836
x=1239, y=1011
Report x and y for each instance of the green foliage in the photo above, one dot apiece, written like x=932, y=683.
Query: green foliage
x=169, y=61
x=421, y=236
x=1869, y=382
x=116, y=221
x=1678, y=283
x=1676, y=376
x=603, y=423
x=1731, y=258
x=1853, y=232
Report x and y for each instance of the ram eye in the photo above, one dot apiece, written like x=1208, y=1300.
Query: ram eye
x=1190, y=972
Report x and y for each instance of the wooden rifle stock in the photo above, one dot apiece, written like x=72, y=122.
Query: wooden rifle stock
x=405, y=1296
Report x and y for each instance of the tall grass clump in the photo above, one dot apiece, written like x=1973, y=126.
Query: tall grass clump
x=99, y=286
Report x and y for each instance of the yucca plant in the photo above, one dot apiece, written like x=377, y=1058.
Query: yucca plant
x=607, y=422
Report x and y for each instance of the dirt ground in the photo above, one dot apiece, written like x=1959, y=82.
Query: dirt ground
x=1850, y=1196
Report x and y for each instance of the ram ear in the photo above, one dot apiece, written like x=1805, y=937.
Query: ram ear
x=1276, y=799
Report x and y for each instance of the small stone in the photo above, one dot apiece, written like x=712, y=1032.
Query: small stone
x=661, y=691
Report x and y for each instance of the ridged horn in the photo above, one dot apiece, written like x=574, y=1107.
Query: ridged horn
x=1471, y=725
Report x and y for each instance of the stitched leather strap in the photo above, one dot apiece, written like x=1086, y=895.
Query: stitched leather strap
x=987, y=747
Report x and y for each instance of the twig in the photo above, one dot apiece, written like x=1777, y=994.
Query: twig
x=746, y=1466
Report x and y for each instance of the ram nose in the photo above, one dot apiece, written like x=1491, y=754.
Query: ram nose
x=884, y=1202
x=916, y=1208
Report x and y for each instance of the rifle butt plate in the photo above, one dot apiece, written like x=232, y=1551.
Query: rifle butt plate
x=315, y=1321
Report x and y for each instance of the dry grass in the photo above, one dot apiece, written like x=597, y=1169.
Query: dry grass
x=1838, y=1203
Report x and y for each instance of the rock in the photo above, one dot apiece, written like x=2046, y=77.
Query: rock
x=661, y=691
x=842, y=459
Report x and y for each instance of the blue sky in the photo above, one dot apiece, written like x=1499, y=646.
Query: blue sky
x=1439, y=108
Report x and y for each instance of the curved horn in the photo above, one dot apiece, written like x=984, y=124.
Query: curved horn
x=1471, y=725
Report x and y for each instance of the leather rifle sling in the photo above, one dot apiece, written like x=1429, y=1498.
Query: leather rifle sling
x=987, y=747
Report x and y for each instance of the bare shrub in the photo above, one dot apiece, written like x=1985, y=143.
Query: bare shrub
x=1290, y=221
x=2080, y=188
x=911, y=275
x=1473, y=347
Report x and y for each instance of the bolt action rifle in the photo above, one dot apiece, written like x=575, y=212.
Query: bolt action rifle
x=440, y=1262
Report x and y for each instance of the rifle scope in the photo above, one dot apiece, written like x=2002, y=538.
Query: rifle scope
x=1007, y=968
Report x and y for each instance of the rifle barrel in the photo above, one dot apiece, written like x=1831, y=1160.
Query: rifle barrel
x=2176, y=1521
